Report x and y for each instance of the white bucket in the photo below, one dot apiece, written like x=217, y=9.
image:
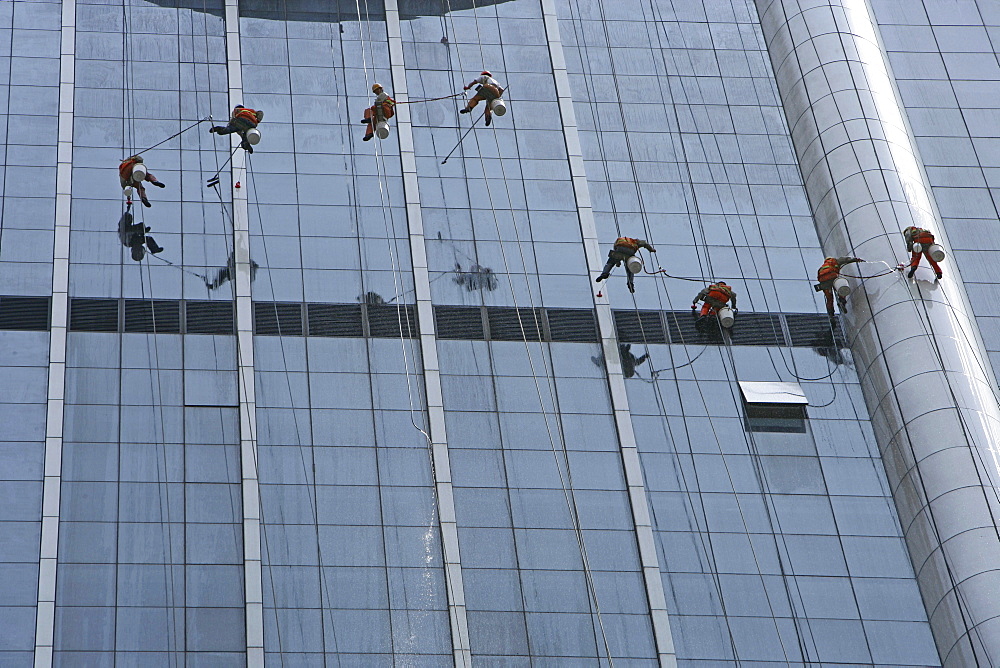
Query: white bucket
x=936, y=252
x=138, y=173
x=381, y=129
x=253, y=136
x=841, y=286
x=726, y=317
x=498, y=106
x=918, y=248
x=634, y=264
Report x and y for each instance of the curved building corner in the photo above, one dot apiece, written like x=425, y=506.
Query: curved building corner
x=924, y=371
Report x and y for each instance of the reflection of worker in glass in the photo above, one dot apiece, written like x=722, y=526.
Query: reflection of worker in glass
x=133, y=236
x=228, y=272
x=630, y=361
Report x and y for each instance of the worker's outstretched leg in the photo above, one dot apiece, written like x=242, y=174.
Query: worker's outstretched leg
x=153, y=246
x=630, y=279
x=606, y=272
x=706, y=309
x=914, y=262
x=828, y=293
x=842, y=302
x=489, y=116
x=370, y=121
x=934, y=265
x=142, y=195
x=471, y=104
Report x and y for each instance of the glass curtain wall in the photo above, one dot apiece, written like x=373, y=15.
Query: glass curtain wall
x=944, y=57
x=768, y=541
x=352, y=555
x=150, y=557
x=29, y=102
x=503, y=204
x=533, y=448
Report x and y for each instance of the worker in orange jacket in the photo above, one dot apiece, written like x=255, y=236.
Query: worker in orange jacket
x=918, y=235
x=714, y=297
x=625, y=247
x=487, y=90
x=241, y=120
x=828, y=272
x=381, y=111
x=125, y=170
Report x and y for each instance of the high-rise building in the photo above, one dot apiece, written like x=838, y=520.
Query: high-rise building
x=368, y=405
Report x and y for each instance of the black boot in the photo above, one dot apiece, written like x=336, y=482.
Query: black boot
x=464, y=111
x=937, y=276
x=153, y=247
x=368, y=138
x=145, y=203
x=159, y=184
x=489, y=119
x=910, y=273
x=601, y=278
x=631, y=288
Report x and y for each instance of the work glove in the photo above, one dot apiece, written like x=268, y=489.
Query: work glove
x=652, y=250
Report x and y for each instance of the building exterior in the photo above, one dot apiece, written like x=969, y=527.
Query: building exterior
x=369, y=407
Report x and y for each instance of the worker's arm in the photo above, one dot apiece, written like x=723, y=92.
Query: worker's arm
x=647, y=246
x=842, y=261
x=701, y=295
x=733, y=299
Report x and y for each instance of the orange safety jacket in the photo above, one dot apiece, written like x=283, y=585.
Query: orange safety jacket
x=719, y=292
x=918, y=235
x=627, y=242
x=829, y=270
x=249, y=115
x=125, y=169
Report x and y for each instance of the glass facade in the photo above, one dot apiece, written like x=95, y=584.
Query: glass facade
x=445, y=402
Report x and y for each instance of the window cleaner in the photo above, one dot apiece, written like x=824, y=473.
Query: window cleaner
x=716, y=299
x=830, y=279
x=377, y=116
x=487, y=90
x=132, y=172
x=920, y=242
x=242, y=121
x=625, y=250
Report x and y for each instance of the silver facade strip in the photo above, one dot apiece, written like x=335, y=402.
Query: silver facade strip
x=253, y=574
x=922, y=366
x=639, y=502
x=55, y=401
x=461, y=649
